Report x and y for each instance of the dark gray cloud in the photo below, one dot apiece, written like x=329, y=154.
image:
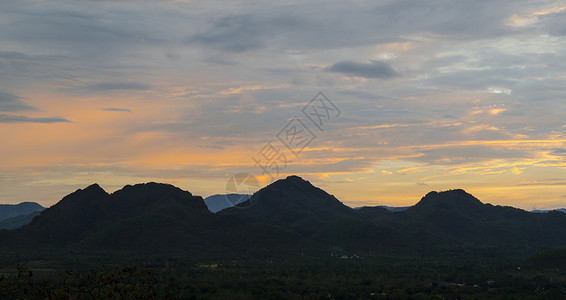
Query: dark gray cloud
x=361, y=94
x=233, y=33
x=119, y=86
x=82, y=30
x=559, y=152
x=20, y=69
x=458, y=19
x=116, y=109
x=12, y=103
x=554, y=24
x=296, y=26
x=310, y=25
x=6, y=118
x=375, y=69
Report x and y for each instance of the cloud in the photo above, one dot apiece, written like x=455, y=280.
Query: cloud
x=6, y=118
x=361, y=94
x=559, y=152
x=233, y=33
x=116, y=109
x=496, y=90
x=193, y=70
x=12, y=103
x=241, y=89
x=295, y=26
x=375, y=69
x=542, y=183
x=85, y=28
x=119, y=86
x=218, y=147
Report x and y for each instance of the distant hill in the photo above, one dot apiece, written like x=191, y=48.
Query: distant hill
x=19, y=221
x=287, y=216
x=13, y=216
x=15, y=210
x=389, y=208
x=216, y=203
x=563, y=210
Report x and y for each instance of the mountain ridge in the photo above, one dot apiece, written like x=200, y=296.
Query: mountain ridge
x=287, y=215
x=218, y=202
x=88, y=211
x=14, y=210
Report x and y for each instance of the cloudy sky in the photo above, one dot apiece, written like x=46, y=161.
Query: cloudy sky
x=426, y=95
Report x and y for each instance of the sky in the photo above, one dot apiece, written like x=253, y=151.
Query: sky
x=416, y=96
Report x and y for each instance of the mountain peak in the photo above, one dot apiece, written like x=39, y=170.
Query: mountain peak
x=131, y=197
x=94, y=188
x=293, y=180
x=294, y=196
x=153, y=187
x=91, y=192
x=90, y=211
x=295, y=177
x=450, y=199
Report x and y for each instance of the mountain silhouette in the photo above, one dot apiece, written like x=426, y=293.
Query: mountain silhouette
x=16, y=210
x=284, y=217
x=563, y=210
x=73, y=218
x=455, y=217
x=310, y=214
x=454, y=200
x=19, y=221
x=13, y=216
x=216, y=203
x=292, y=202
x=150, y=215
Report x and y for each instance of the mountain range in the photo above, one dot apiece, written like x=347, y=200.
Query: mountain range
x=288, y=216
x=563, y=210
x=16, y=215
x=216, y=203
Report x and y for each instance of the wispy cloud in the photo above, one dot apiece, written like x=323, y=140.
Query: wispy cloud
x=103, y=86
x=6, y=118
x=116, y=109
x=12, y=103
x=375, y=69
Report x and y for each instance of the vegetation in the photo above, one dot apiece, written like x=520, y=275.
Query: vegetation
x=307, y=278
x=155, y=241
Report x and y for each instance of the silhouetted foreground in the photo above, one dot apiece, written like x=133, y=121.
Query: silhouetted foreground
x=306, y=279
x=158, y=241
